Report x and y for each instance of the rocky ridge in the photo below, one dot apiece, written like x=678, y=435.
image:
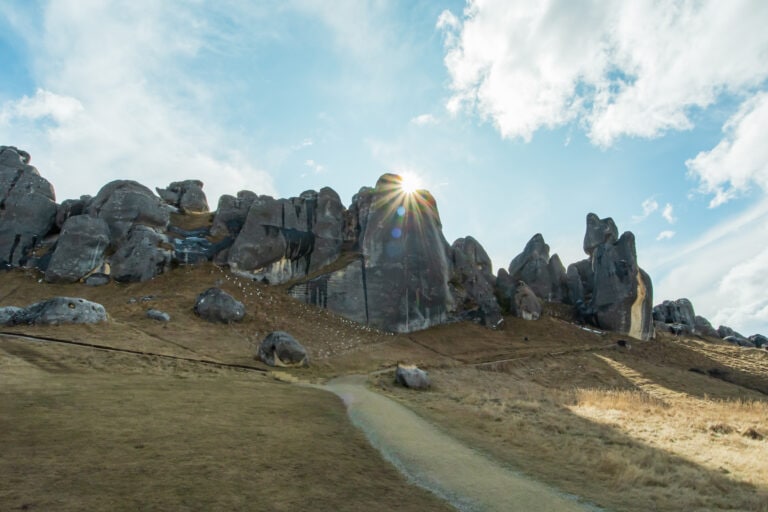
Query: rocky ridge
x=383, y=261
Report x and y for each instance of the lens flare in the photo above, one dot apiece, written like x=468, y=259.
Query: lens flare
x=410, y=183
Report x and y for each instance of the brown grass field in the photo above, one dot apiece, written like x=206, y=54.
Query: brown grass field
x=672, y=424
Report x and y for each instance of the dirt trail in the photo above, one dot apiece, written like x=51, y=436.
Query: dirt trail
x=440, y=463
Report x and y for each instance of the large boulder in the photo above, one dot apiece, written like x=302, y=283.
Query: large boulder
x=472, y=283
x=7, y=313
x=544, y=275
x=281, y=349
x=187, y=196
x=144, y=254
x=71, y=208
x=679, y=311
x=724, y=331
x=27, y=206
x=411, y=376
x=526, y=304
x=61, y=310
x=610, y=285
x=79, y=250
x=216, y=305
x=123, y=204
x=759, y=340
x=231, y=214
x=703, y=327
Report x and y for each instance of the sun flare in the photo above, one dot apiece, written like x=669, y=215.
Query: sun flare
x=409, y=183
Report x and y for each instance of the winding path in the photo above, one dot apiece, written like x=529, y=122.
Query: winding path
x=431, y=459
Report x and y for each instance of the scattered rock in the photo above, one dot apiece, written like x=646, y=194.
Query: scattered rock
x=160, y=316
x=281, y=349
x=61, y=310
x=79, y=250
x=216, y=305
x=410, y=376
x=187, y=196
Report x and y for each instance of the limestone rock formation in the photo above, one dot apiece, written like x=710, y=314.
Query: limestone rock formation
x=7, y=314
x=526, y=304
x=281, y=349
x=544, y=275
x=703, y=327
x=615, y=289
x=411, y=376
x=724, y=331
x=187, y=196
x=70, y=208
x=759, y=340
x=679, y=311
x=123, y=204
x=231, y=214
x=61, y=310
x=27, y=206
x=216, y=305
x=143, y=254
x=79, y=250
x=472, y=283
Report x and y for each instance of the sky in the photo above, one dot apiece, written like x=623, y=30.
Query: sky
x=520, y=117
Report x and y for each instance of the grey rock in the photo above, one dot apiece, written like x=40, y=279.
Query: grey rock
x=97, y=279
x=216, y=305
x=759, y=340
x=544, y=275
x=7, y=313
x=599, y=232
x=472, y=283
x=27, y=206
x=160, y=316
x=702, y=326
x=71, y=208
x=281, y=349
x=123, y=204
x=187, y=196
x=231, y=214
x=679, y=311
x=61, y=310
x=79, y=250
x=724, y=331
x=144, y=254
x=526, y=304
x=192, y=250
x=739, y=340
x=581, y=281
x=412, y=377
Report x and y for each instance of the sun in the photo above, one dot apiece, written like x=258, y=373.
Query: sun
x=409, y=183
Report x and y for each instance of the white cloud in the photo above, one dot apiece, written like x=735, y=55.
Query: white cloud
x=624, y=69
x=669, y=214
x=118, y=99
x=649, y=206
x=424, y=119
x=316, y=167
x=665, y=235
x=741, y=158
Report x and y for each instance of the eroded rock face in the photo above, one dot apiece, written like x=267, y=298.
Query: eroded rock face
x=281, y=349
x=472, y=283
x=526, y=304
x=123, y=204
x=216, y=305
x=679, y=311
x=142, y=255
x=412, y=377
x=187, y=196
x=27, y=206
x=702, y=326
x=7, y=313
x=231, y=214
x=544, y=275
x=79, y=250
x=61, y=310
x=610, y=286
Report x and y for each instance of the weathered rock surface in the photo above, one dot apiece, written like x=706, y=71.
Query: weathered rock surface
x=679, y=311
x=472, y=283
x=614, y=287
x=703, y=327
x=160, y=316
x=187, y=196
x=724, y=331
x=216, y=305
x=526, y=304
x=412, y=377
x=144, y=254
x=759, y=340
x=7, y=313
x=79, y=250
x=27, y=206
x=71, y=208
x=61, y=310
x=281, y=349
x=544, y=275
x=231, y=213
x=123, y=204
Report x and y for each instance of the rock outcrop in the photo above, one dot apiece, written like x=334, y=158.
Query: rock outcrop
x=187, y=196
x=79, y=250
x=142, y=255
x=526, y=304
x=703, y=327
x=614, y=288
x=216, y=305
x=281, y=349
x=411, y=376
x=27, y=207
x=545, y=276
x=60, y=310
x=123, y=204
x=472, y=283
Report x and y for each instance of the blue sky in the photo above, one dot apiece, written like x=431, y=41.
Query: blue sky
x=520, y=117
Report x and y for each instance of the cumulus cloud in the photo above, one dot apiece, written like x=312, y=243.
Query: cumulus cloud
x=424, y=119
x=119, y=98
x=624, y=69
x=669, y=213
x=740, y=159
x=665, y=235
x=649, y=206
x=316, y=167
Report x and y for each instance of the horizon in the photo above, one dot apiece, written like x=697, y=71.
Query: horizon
x=518, y=120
